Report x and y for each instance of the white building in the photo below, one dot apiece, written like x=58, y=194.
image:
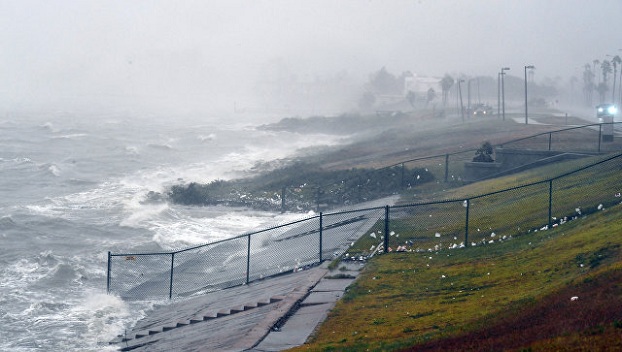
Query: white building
x=421, y=84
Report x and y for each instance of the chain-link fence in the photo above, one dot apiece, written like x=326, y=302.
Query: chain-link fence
x=586, y=138
x=242, y=259
x=500, y=215
x=428, y=226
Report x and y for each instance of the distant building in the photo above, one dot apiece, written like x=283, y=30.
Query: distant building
x=421, y=84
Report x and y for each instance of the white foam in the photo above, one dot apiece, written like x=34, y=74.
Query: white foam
x=142, y=213
x=187, y=231
x=50, y=127
x=209, y=137
x=103, y=317
x=44, y=210
x=132, y=150
x=55, y=170
x=71, y=136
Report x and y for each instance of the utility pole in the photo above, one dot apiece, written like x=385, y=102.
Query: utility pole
x=503, y=90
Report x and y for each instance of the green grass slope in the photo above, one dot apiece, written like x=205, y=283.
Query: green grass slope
x=553, y=290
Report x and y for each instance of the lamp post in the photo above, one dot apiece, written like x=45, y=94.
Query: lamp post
x=460, y=93
x=498, y=94
x=526, y=116
x=503, y=90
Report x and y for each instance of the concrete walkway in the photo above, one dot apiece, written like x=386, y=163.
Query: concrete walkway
x=269, y=315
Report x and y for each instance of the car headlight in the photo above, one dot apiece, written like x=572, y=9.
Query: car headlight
x=612, y=110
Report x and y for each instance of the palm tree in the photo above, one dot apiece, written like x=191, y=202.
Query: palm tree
x=605, y=66
x=446, y=83
x=595, y=62
x=588, y=84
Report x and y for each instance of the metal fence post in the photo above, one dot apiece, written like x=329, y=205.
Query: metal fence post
x=108, y=275
x=466, y=224
x=386, y=229
x=550, y=203
x=321, y=225
x=600, y=135
x=550, y=136
x=318, y=193
x=248, y=260
x=446, y=167
x=170, y=288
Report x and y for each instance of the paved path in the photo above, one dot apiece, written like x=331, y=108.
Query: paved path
x=269, y=315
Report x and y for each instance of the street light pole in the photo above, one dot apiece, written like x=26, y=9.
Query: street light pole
x=498, y=94
x=526, y=115
x=503, y=90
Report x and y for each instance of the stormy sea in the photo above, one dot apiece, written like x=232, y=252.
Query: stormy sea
x=74, y=186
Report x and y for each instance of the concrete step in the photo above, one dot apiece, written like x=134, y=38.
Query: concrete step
x=200, y=316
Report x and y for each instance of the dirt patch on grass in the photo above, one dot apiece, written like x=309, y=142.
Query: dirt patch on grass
x=581, y=317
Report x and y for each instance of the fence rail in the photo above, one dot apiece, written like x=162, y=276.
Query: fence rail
x=290, y=247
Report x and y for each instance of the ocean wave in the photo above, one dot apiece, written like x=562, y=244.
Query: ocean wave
x=55, y=170
x=50, y=169
x=102, y=317
x=27, y=271
x=71, y=136
x=131, y=150
x=6, y=222
x=17, y=160
x=191, y=227
x=50, y=127
x=49, y=210
x=160, y=146
x=142, y=213
x=208, y=138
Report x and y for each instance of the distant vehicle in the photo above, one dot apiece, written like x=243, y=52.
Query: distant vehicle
x=481, y=110
x=606, y=112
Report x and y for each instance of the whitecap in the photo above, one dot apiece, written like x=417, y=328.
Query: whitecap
x=209, y=137
x=71, y=136
x=160, y=146
x=103, y=317
x=55, y=170
x=50, y=127
x=132, y=150
x=143, y=213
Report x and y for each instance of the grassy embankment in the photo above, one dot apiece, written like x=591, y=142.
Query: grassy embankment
x=515, y=295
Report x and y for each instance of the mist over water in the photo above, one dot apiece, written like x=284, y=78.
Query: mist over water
x=72, y=188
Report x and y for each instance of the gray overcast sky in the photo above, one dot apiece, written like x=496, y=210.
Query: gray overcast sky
x=62, y=50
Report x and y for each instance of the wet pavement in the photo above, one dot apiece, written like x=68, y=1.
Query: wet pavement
x=268, y=315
